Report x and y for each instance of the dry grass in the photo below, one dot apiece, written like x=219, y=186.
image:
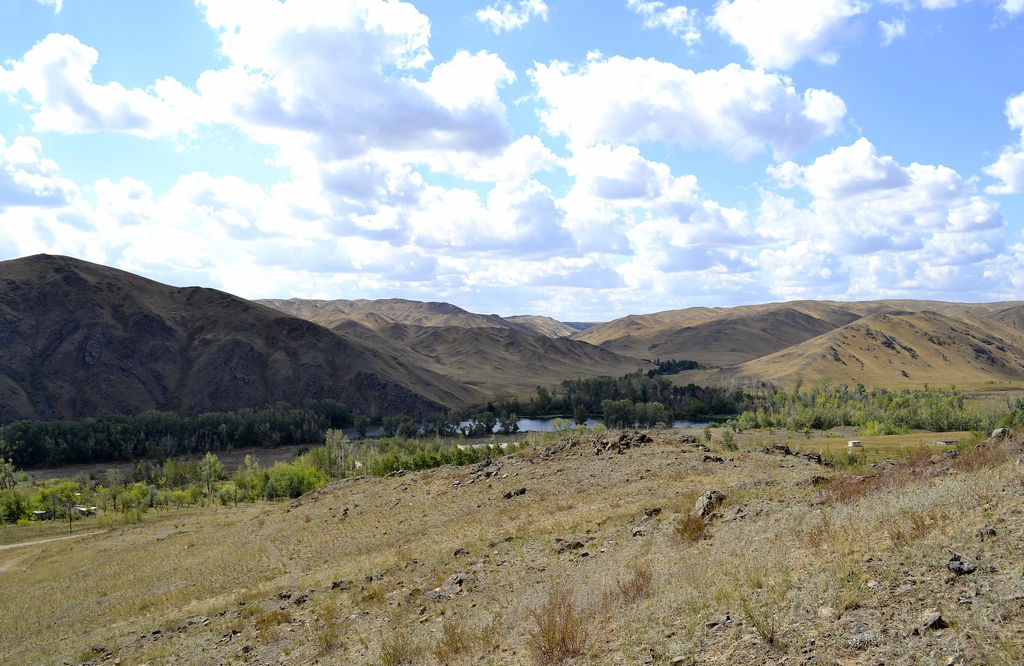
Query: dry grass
x=561, y=630
x=366, y=586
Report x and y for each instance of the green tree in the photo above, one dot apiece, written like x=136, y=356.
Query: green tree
x=8, y=478
x=210, y=471
x=362, y=424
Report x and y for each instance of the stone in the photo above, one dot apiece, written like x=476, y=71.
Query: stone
x=961, y=567
x=930, y=620
x=708, y=503
x=863, y=640
x=734, y=512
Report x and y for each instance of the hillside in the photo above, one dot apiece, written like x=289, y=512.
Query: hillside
x=494, y=356
x=795, y=562
x=546, y=326
x=81, y=339
x=398, y=310
x=718, y=336
x=908, y=349
x=499, y=362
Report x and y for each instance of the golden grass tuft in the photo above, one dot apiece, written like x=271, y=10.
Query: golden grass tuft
x=561, y=630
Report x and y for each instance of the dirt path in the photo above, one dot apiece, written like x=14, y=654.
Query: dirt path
x=36, y=543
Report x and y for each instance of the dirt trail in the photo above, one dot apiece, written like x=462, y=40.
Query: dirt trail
x=36, y=543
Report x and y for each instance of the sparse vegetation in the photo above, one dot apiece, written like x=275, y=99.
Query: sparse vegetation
x=561, y=629
x=361, y=573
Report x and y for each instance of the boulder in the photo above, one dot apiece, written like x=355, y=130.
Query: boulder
x=708, y=503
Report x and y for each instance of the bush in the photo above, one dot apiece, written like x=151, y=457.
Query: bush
x=561, y=630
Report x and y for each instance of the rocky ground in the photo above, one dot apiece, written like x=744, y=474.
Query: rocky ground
x=627, y=548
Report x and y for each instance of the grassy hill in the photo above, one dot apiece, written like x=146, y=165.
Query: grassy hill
x=599, y=559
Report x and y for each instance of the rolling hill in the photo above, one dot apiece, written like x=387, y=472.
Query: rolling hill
x=902, y=348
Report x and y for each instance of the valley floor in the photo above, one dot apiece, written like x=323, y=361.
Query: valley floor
x=584, y=551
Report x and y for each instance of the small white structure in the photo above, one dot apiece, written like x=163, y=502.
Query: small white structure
x=853, y=444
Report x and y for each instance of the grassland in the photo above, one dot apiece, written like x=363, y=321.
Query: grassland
x=599, y=561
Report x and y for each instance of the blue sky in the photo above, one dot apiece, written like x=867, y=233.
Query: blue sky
x=575, y=159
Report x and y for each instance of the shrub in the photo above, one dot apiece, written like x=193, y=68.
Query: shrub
x=397, y=648
x=637, y=583
x=690, y=528
x=561, y=630
x=455, y=640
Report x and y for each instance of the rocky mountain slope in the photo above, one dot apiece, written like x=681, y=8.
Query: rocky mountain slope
x=79, y=339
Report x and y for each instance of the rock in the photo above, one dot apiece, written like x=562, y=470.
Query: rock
x=863, y=640
x=564, y=545
x=652, y=511
x=734, y=512
x=708, y=503
x=449, y=588
x=639, y=531
x=460, y=552
x=680, y=660
x=930, y=620
x=958, y=565
x=711, y=458
x=999, y=433
x=711, y=624
x=515, y=493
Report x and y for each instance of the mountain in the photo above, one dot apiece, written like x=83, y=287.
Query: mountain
x=79, y=339
x=902, y=348
x=499, y=362
x=546, y=326
x=399, y=310
x=718, y=336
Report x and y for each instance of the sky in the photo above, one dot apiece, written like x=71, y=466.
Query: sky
x=580, y=160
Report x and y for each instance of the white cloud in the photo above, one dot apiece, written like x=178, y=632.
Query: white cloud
x=29, y=179
x=502, y=16
x=328, y=85
x=1009, y=168
x=679, y=20
x=779, y=33
x=869, y=215
x=740, y=111
x=56, y=74
x=892, y=30
x=1012, y=7
x=56, y=4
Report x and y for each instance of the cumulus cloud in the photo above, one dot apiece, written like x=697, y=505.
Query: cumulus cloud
x=29, y=179
x=892, y=30
x=679, y=20
x=1009, y=168
x=326, y=84
x=502, y=16
x=741, y=111
x=778, y=33
x=56, y=75
x=866, y=210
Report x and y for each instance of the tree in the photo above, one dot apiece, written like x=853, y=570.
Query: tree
x=509, y=423
x=210, y=471
x=579, y=413
x=8, y=479
x=362, y=424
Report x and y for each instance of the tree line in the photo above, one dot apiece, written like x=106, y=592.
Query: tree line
x=117, y=437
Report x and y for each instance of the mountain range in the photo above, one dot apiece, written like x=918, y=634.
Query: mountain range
x=79, y=339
